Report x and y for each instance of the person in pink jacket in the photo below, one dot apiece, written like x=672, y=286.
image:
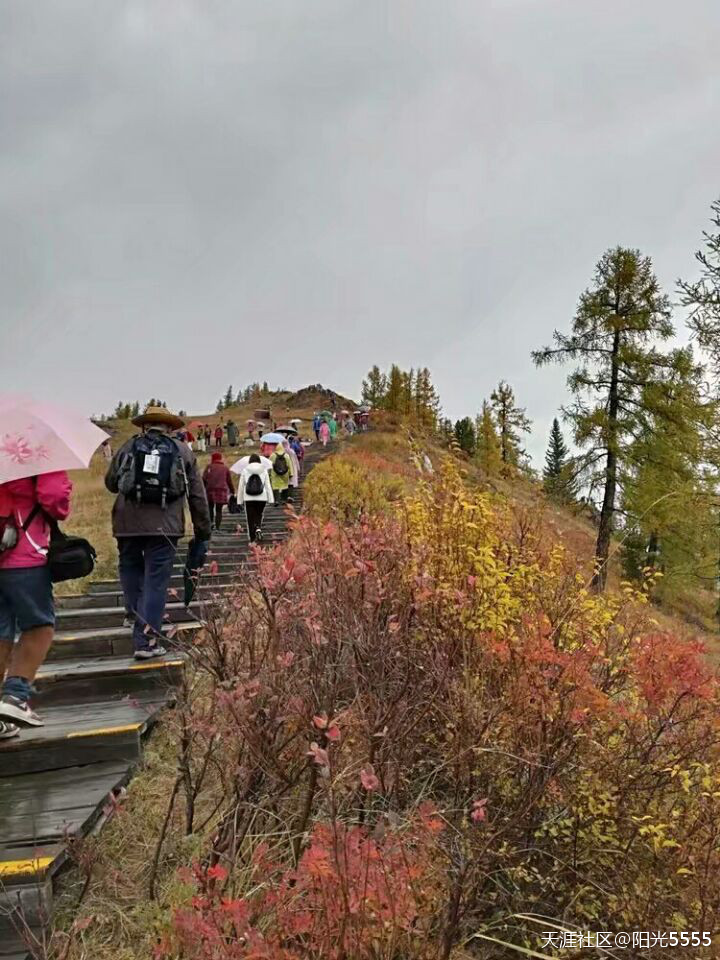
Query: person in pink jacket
x=26, y=596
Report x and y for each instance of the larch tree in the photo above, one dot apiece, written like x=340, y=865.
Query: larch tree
x=702, y=296
x=374, y=387
x=511, y=424
x=620, y=320
x=407, y=392
x=669, y=492
x=427, y=403
x=487, y=444
x=393, y=400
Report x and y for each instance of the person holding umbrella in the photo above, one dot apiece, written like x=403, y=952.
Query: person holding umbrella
x=40, y=443
x=152, y=475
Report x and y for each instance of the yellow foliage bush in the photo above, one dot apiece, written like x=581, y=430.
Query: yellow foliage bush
x=345, y=489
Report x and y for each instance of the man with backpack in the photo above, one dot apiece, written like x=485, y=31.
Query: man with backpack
x=153, y=474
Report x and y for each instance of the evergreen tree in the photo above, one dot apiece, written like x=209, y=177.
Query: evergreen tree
x=487, y=442
x=558, y=476
x=135, y=412
x=618, y=321
x=228, y=398
x=265, y=388
x=465, y=435
x=511, y=423
x=703, y=295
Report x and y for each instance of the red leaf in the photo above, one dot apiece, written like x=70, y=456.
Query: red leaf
x=478, y=812
x=320, y=720
x=319, y=755
x=368, y=778
x=214, y=568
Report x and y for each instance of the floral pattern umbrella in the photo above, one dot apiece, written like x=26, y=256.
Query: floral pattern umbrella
x=40, y=438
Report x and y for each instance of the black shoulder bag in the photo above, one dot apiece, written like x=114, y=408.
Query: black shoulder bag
x=68, y=558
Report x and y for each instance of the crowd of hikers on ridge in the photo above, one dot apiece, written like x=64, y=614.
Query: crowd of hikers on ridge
x=154, y=476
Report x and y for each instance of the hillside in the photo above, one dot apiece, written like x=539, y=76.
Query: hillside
x=419, y=678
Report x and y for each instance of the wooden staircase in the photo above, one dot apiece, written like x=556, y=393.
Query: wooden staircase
x=99, y=705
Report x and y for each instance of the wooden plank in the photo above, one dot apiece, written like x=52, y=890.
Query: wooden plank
x=103, y=641
x=42, y=808
x=90, y=733
x=87, y=680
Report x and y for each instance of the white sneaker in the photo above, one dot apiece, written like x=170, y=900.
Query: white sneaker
x=8, y=730
x=150, y=652
x=14, y=709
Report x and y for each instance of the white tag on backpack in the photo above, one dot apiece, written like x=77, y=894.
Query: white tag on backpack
x=152, y=463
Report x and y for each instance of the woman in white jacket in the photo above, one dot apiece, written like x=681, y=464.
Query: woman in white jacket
x=255, y=491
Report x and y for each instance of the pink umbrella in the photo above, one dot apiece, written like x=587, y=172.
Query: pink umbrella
x=41, y=438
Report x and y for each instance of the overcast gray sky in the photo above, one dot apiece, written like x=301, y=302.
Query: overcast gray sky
x=202, y=192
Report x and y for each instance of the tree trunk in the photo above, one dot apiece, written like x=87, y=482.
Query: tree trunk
x=607, y=511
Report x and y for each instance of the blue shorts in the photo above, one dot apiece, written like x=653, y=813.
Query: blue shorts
x=26, y=600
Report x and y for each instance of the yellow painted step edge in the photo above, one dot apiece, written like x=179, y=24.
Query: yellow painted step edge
x=11, y=868
x=103, y=731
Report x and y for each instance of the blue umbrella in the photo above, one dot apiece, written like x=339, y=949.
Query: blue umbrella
x=272, y=438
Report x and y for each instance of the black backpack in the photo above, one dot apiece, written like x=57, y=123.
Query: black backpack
x=255, y=486
x=152, y=471
x=280, y=464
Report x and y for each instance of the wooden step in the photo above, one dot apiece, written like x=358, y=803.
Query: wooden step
x=107, y=641
x=115, y=598
x=104, y=678
x=38, y=810
x=78, y=734
x=113, y=616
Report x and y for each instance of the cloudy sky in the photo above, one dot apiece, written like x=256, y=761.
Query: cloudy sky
x=202, y=192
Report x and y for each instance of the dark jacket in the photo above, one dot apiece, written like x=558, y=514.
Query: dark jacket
x=130, y=519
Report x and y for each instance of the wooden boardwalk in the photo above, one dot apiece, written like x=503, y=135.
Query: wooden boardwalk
x=99, y=705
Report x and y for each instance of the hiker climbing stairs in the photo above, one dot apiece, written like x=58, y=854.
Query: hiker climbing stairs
x=58, y=781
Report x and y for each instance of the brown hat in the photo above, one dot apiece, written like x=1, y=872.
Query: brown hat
x=155, y=415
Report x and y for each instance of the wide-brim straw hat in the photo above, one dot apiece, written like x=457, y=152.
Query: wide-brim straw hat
x=158, y=415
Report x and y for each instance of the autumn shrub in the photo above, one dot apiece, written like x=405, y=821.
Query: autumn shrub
x=429, y=713
x=347, y=488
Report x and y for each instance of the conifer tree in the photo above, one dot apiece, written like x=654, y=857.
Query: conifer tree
x=669, y=488
x=558, y=477
x=427, y=403
x=511, y=423
x=228, y=398
x=374, y=387
x=407, y=392
x=487, y=443
x=394, y=394
x=465, y=435
x=703, y=296
x=619, y=321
